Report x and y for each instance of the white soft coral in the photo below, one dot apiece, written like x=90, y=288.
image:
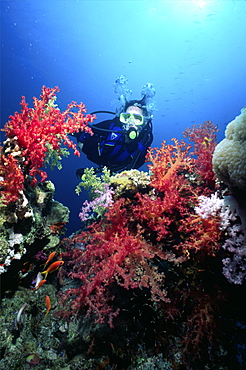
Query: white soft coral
x=209, y=206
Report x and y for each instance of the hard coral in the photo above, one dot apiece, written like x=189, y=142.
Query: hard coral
x=130, y=181
x=229, y=158
x=33, y=133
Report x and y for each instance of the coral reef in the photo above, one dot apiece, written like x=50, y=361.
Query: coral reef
x=141, y=286
x=27, y=230
x=105, y=189
x=91, y=182
x=158, y=245
x=34, y=138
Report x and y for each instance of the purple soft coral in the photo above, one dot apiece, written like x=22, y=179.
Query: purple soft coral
x=99, y=204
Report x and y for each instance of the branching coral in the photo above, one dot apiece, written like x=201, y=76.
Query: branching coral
x=35, y=135
x=167, y=162
x=156, y=247
x=201, y=326
x=216, y=210
x=113, y=255
x=234, y=268
x=167, y=168
x=12, y=178
x=104, y=189
x=91, y=182
x=99, y=205
x=100, y=193
x=171, y=214
x=204, y=138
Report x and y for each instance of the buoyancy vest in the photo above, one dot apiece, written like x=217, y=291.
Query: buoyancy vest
x=114, y=149
x=122, y=151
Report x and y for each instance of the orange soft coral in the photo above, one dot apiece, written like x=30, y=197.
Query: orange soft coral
x=169, y=212
x=199, y=235
x=173, y=194
x=167, y=162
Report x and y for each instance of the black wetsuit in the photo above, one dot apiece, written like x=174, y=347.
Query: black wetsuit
x=114, y=148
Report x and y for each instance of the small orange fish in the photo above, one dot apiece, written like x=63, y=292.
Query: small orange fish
x=54, y=266
x=51, y=256
x=39, y=281
x=48, y=305
x=40, y=284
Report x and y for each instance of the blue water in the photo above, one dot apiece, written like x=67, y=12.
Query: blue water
x=194, y=52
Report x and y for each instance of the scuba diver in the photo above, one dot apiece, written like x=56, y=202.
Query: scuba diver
x=121, y=143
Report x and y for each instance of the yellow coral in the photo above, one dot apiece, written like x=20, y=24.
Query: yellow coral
x=129, y=180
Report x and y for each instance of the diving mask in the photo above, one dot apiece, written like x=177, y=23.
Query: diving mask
x=135, y=119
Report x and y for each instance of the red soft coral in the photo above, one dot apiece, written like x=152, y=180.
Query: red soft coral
x=143, y=235
x=199, y=235
x=124, y=246
x=12, y=176
x=169, y=212
x=173, y=193
x=34, y=132
x=113, y=254
x=204, y=138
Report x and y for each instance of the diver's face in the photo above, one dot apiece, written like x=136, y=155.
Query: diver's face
x=135, y=110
